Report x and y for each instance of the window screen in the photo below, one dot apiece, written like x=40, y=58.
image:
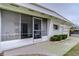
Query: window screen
x=26, y=26
x=10, y=25
x=44, y=27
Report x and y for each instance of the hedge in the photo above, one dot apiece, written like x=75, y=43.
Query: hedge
x=58, y=37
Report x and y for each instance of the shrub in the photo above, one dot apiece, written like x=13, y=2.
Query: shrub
x=52, y=38
x=58, y=37
x=64, y=36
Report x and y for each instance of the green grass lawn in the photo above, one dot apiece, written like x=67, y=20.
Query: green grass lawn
x=74, y=51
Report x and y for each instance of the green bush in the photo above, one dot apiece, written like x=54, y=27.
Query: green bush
x=58, y=37
x=64, y=36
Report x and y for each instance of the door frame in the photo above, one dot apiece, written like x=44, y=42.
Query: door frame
x=33, y=25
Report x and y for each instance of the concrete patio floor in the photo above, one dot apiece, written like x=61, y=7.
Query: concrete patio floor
x=58, y=48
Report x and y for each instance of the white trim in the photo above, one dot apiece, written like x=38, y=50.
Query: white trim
x=33, y=30
x=20, y=26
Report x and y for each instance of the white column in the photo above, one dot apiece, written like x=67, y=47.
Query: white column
x=20, y=27
x=0, y=30
x=0, y=25
x=0, y=34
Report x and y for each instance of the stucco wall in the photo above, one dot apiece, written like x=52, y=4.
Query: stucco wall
x=63, y=29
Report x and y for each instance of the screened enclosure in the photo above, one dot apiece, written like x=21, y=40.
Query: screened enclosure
x=21, y=26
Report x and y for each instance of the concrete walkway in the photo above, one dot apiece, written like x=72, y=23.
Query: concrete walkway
x=46, y=48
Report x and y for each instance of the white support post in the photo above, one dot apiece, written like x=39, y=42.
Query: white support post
x=0, y=31
x=1, y=53
x=20, y=27
x=33, y=29
x=0, y=25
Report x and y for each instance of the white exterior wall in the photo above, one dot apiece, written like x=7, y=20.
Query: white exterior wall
x=63, y=29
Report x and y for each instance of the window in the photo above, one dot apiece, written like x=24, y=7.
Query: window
x=56, y=27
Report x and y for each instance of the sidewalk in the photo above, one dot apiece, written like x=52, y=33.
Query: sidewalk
x=46, y=48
